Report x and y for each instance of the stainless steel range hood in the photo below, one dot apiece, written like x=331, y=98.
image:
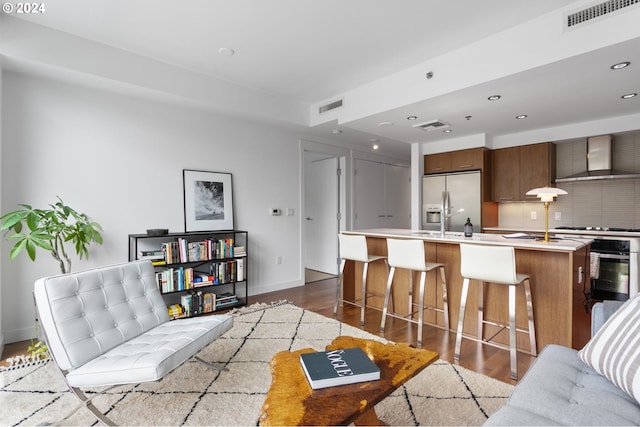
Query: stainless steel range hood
x=599, y=162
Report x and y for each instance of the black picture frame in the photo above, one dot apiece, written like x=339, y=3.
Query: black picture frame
x=208, y=200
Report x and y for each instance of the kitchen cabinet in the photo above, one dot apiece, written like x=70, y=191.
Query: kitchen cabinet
x=436, y=163
x=537, y=167
x=455, y=161
x=516, y=170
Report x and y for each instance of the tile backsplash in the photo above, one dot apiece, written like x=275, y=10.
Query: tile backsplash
x=603, y=203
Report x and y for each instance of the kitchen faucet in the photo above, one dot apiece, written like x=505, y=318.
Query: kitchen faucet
x=444, y=212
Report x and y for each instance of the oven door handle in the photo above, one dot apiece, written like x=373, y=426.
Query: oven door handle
x=612, y=256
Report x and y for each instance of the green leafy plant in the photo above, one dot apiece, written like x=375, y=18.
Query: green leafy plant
x=50, y=229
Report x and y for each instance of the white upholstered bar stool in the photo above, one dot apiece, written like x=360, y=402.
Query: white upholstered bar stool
x=495, y=264
x=410, y=254
x=354, y=248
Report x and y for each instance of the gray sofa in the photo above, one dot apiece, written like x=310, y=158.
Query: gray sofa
x=560, y=389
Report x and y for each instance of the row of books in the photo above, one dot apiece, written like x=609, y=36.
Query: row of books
x=182, y=251
x=195, y=303
x=183, y=279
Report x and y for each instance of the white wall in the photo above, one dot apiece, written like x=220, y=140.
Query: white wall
x=2, y=256
x=120, y=160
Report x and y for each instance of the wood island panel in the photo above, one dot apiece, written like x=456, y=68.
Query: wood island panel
x=558, y=298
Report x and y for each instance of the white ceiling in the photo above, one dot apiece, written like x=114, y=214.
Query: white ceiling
x=309, y=51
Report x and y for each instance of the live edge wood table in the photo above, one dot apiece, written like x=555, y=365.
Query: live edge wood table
x=291, y=401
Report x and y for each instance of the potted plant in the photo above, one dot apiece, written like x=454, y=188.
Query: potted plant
x=49, y=229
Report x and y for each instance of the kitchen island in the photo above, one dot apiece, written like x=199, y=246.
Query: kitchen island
x=559, y=272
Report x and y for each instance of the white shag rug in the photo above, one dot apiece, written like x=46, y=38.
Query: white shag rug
x=442, y=394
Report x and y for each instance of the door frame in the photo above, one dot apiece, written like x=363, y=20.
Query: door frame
x=344, y=195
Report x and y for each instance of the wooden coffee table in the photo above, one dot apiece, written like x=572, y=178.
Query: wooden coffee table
x=291, y=401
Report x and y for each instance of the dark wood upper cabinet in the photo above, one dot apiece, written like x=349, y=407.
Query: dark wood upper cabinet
x=505, y=178
x=537, y=167
x=437, y=163
x=516, y=170
x=470, y=159
x=455, y=161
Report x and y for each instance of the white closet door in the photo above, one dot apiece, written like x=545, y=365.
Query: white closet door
x=369, y=189
x=397, y=196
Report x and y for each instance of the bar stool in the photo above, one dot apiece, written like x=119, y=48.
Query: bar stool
x=495, y=264
x=410, y=254
x=354, y=248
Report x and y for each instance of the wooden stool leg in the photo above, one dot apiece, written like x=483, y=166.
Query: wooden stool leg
x=339, y=289
x=463, y=304
x=386, y=298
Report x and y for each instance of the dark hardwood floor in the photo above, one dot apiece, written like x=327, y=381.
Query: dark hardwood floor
x=319, y=297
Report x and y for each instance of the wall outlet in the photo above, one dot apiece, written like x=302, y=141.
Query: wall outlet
x=275, y=211
x=558, y=216
x=278, y=260
x=534, y=216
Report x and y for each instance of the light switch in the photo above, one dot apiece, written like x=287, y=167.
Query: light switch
x=533, y=215
x=558, y=216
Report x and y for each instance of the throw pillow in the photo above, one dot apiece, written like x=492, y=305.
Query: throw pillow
x=614, y=351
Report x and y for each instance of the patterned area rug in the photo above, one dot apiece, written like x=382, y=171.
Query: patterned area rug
x=442, y=394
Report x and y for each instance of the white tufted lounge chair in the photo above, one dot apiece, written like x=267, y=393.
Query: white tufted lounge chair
x=110, y=326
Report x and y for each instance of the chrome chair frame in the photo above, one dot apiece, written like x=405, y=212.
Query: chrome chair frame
x=480, y=269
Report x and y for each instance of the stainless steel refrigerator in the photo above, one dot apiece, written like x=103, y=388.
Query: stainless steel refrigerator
x=451, y=192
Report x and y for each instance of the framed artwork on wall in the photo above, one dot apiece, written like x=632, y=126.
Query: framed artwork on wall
x=208, y=201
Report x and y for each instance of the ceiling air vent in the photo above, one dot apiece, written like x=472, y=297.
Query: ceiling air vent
x=331, y=106
x=432, y=125
x=598, y=10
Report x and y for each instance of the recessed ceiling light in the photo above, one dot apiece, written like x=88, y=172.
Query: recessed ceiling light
x=412, y=117
x=629, y=96
x=620, y=65
x=447, y=131
x=385, y=124
x=521, y=116
x=493, y=97
x=336, y=131
x=375, y=146
x=226, y=51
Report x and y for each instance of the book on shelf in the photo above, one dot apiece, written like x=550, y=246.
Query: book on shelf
x=151, y=255
x=225, y=299
x=240, y=270
x=338, y=367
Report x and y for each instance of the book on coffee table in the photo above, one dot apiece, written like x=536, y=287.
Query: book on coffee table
x=338, y=367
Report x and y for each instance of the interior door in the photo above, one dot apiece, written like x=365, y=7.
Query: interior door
x=397, y=196
x=321, y=215
x=368, y=195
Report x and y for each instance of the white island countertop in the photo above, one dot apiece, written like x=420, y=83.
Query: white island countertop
x=565, y=244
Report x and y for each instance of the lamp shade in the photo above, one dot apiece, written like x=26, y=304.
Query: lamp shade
x=546, y=194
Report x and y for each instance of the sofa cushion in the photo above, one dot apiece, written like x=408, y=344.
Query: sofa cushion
x=614, y=351
x=152, y=355
x=559, y=389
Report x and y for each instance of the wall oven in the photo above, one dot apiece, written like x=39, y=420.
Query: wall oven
x=615, y=260
x=610, y=269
